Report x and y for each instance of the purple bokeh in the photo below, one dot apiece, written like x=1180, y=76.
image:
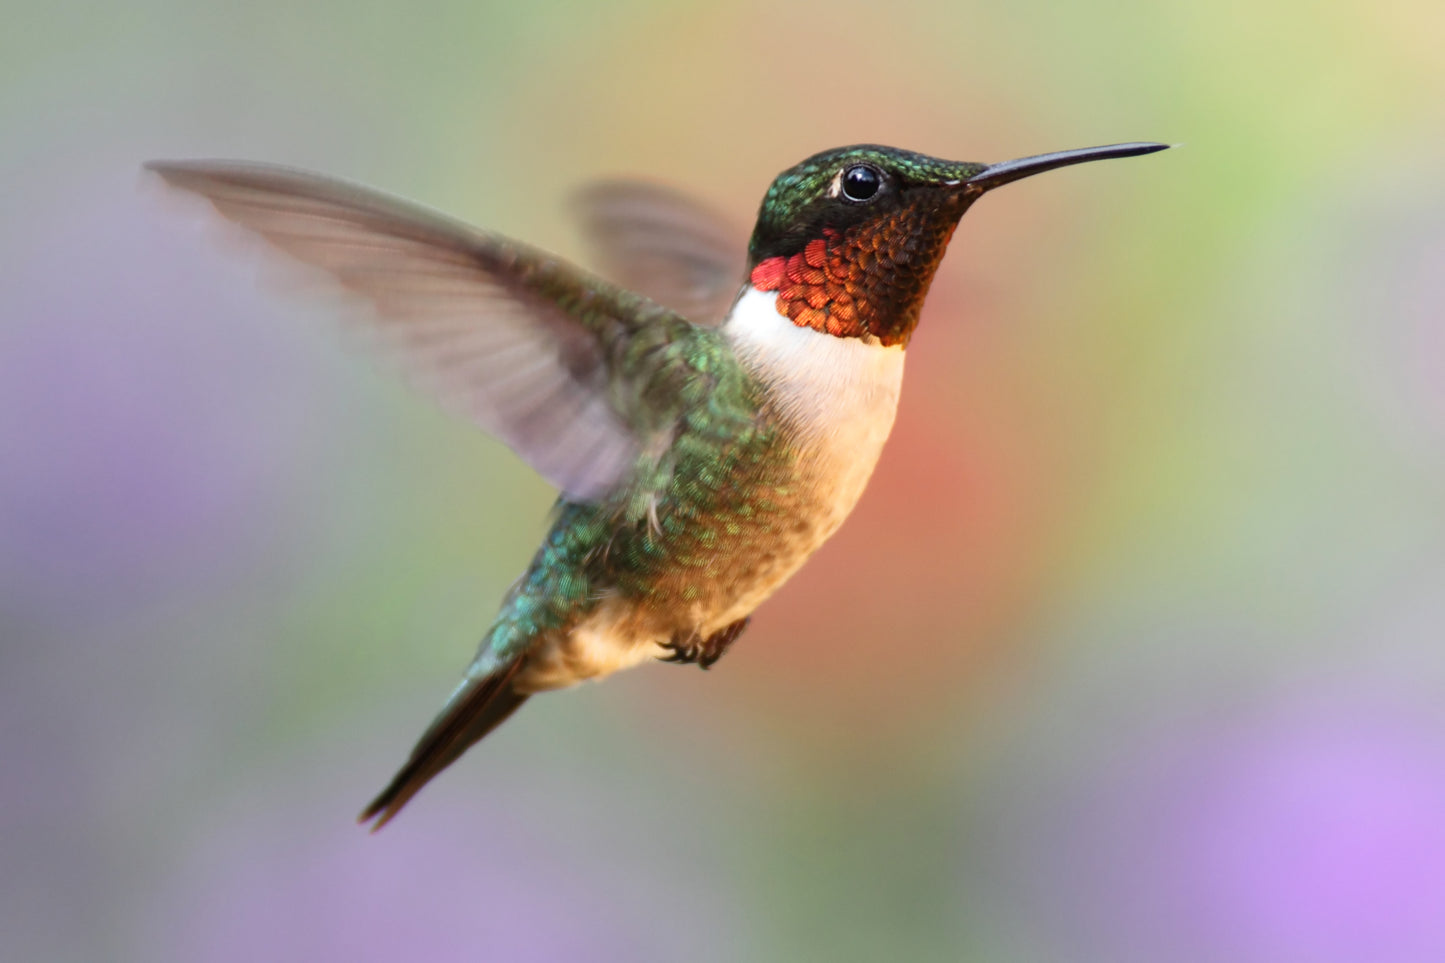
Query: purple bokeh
x=1310, y=828
x=499, y=877
x=146, y=428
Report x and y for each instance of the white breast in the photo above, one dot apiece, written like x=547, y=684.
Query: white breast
x=840, y=394
x=824, y=383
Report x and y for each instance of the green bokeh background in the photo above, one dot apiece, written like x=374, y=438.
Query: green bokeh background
x=1135, y=649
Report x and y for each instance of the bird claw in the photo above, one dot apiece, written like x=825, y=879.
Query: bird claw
x=694, y=649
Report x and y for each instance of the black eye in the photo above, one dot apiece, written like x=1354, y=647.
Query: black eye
x=861, y=182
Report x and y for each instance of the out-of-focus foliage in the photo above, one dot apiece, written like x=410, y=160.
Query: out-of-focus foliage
x=1134, y=651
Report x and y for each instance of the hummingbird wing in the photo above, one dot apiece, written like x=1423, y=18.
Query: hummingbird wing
x=525, y=345
x=656, y=240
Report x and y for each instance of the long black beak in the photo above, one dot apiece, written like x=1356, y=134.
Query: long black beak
x=997, y=175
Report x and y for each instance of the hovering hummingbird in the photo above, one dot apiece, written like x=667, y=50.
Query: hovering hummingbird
x=707, y=439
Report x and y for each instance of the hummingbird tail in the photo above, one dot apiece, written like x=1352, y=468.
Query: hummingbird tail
x=477, y=708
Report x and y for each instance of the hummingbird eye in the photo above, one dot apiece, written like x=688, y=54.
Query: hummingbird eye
x=861, y=182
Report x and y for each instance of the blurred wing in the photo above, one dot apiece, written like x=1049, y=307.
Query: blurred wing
x=510, y=337
x=673, y=249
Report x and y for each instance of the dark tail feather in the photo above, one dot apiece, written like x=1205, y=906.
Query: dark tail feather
x=475, y=710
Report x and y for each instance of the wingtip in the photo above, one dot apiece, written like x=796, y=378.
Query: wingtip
x=184, y=174
x=212, y=170
x=166, y=168
x=158, y=169
x=171, y=178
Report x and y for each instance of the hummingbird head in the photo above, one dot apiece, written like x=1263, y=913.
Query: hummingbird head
x=851, y=237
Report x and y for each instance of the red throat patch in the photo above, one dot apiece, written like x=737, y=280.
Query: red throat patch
x=866, y=282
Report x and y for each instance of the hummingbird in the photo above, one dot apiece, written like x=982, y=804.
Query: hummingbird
x=707, y=432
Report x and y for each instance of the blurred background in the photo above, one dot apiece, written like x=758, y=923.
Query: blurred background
x=1134, y=651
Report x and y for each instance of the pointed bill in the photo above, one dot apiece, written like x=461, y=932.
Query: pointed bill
x=996, y=175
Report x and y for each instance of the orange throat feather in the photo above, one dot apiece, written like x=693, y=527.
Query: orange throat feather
x=865, y=282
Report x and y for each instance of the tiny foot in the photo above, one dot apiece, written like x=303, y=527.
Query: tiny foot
x=694, y=649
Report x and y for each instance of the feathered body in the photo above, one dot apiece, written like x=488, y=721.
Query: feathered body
x=701, y=463
x=761, y=475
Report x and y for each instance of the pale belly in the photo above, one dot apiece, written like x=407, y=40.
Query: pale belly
x=841, y=396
